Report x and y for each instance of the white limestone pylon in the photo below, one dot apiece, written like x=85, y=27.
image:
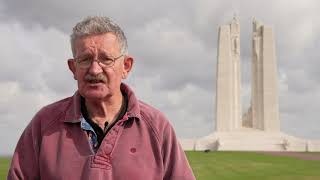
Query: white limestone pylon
x=264, y=92
x=228, y=105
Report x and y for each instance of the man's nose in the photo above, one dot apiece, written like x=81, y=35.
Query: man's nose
x=95, y=68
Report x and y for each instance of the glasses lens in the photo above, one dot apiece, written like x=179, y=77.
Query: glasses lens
x=83, y=63
x=103, y=62
x=106, y=61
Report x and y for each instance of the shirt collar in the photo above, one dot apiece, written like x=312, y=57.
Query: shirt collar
x=133, y=109
x=73, y=112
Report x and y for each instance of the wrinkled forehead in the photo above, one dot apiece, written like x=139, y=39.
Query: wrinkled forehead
x=106, y=43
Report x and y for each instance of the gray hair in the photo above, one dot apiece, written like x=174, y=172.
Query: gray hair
x=93, y=25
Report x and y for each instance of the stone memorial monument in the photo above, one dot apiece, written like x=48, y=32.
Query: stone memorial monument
x=258, y=129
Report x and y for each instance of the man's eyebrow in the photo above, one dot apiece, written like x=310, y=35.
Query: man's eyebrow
x=84, y=54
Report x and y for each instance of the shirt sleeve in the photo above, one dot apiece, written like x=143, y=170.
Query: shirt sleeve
x=176, y=165
x=25, y=164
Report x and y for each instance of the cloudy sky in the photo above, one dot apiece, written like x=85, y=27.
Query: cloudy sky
x=174, y=44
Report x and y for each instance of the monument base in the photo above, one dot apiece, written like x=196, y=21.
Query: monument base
x=250, y=140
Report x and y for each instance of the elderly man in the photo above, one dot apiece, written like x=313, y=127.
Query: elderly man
x=103, y=131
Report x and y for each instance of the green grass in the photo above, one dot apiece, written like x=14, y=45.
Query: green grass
x=251, y=166
x=238, y=166
x=4, y=165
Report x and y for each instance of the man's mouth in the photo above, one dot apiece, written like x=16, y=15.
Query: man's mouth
x=94, y=81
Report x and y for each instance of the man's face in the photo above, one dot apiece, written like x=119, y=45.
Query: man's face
x=98, y=81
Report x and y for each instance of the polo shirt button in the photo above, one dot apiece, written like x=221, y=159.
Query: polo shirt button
x=108, y=148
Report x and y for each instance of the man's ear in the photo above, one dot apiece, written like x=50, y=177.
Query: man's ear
x=72, y=67
x=127, y=66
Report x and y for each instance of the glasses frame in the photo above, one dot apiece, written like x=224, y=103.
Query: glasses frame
x=77, y=60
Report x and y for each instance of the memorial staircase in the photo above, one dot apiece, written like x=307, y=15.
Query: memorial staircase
x=249, y=140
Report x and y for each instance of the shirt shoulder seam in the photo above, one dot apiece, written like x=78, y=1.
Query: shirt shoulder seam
x=56, y=118
x=152, y=127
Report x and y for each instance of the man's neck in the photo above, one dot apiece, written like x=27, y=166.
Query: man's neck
x=102, y=111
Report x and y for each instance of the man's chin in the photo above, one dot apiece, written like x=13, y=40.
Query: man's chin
x=95, y=95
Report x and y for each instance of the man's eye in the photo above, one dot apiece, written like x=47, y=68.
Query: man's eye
x=106, y=60
x=84, y=60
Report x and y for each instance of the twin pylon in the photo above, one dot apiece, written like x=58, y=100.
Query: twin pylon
x=263, y=114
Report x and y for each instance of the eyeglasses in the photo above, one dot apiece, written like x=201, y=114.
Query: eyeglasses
x=86, y=62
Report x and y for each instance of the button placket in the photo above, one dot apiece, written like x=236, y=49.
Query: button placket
x=104, y=155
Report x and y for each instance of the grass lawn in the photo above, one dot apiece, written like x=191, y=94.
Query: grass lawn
x=251, y=166
x=4, y=165
x=238, y=166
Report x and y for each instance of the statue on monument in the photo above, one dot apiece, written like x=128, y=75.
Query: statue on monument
x=256, y=39
x=256, y=46
x=235, y=33
x=236, y=45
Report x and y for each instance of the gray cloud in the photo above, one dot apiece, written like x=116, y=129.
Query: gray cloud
x=174, y=46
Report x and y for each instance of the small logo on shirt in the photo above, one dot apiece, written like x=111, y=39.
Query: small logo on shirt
x=133, y=150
